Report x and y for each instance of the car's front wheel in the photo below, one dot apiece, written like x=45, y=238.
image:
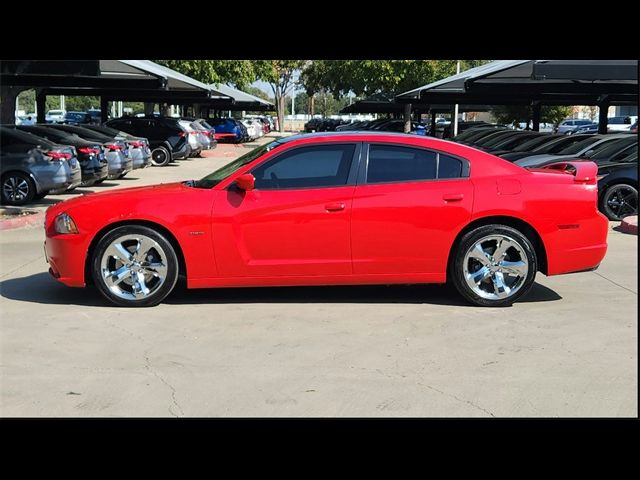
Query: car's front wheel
x=619, y=201
x=160, y=156
x=493, y=266
x=134, y=266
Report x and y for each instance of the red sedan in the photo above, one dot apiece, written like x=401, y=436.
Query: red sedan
x=340, y=209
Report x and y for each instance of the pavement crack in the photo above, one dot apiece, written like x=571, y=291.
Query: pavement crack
x=148, y=366
x=621, y=286
x=468, y=402
x=21, y=266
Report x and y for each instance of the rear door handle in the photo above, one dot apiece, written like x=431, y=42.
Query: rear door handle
x=452, y=197
x=334, y=207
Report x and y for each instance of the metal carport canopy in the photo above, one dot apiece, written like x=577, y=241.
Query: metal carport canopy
x=537, y=82
x=238, y=100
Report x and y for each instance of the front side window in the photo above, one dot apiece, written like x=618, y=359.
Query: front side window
x=389, y=163
x=307, y=167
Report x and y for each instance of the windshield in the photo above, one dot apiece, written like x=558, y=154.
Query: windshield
x=607, y=149
x=216, y=177
x=529, y=144
x=578, y=147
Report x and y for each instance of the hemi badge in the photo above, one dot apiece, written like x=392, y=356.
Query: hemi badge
x=196, y=233
x=568, y=226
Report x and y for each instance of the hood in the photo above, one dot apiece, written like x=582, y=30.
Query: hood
x=120, y=194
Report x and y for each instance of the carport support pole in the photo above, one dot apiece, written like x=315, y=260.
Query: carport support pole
x=603, y=113
x=407, y=117
x=41, y=102
x=537, y=107
x=9, y=96
x=104, y=107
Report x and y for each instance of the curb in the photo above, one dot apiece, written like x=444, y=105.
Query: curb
x=630, y=225
x=22, y=221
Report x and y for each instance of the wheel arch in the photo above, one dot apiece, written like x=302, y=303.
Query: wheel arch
x=182, y=266
x=525, y=228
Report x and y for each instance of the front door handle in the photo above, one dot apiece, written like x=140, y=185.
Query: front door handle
x=452, y=197
x=334, y=207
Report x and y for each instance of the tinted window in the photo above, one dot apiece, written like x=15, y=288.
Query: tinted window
x=305, y=167
x=395, y=164
x=449, y=167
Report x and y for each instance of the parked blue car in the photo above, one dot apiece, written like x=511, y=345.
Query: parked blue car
x=227, y=129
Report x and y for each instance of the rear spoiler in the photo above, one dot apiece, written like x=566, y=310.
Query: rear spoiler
x=582, y=171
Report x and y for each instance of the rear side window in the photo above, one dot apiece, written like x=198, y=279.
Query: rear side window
x=405, y=164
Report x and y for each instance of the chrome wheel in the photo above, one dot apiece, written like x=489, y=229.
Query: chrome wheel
x=134, y=267
x=495, y=267
x=160, y=156
x=620, y=201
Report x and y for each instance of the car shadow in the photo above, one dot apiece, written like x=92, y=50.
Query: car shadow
x=41, y=288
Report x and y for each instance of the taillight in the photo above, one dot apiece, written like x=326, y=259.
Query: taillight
x=136, y=144
x=182, y=134
x=113, y=146
x=88, y=150
x=59, y=155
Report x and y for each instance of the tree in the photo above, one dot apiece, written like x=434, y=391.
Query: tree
x=238, y=73
x=523, y=114
x=279, y=75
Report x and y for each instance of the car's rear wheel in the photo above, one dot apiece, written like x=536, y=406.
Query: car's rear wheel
x=160, y=156
x=17, y=188
x=493, y=266
x=134, y=266
x=619, y=201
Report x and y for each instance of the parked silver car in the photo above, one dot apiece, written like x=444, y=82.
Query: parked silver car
x=31, y=175
x=192, y=138
x=569, y=124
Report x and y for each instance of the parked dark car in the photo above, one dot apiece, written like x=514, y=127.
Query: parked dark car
x=553, y=144
x=526, y=145
x=138, y=146
x=93, y=163
x=492, y=138
x=76, y=118
x=584, y=129
x=512, y=141
x=115, y=151
x=167, y=138
x=95, y=116
x=18, y=186
x=618, y=188
x=469, y=136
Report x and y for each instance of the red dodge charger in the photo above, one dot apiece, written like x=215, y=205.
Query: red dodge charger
x=336, y=209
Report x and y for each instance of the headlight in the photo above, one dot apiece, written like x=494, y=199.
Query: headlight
x=64, y=224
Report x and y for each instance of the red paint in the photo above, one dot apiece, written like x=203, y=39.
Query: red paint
x=356, y=234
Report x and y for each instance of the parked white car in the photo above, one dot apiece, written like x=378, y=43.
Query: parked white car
x=620, y=124
x=55, y=116
x=251, y=129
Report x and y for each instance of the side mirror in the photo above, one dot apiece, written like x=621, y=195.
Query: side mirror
x=246, y=182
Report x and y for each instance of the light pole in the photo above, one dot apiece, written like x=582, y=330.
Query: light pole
x=455, y=109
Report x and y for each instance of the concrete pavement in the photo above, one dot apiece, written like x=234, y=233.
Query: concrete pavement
x=567, y=349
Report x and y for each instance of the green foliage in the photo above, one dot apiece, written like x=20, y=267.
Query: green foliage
x=369, y=77
x=238, y=73
x=523, y=113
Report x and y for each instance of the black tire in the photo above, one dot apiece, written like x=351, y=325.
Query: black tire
x=41, y=195
x=122, y=175
x=159, y=253
x=619, y=200
x=160, y=156
x=488, y=291
x=17, y=189
x=98, y=182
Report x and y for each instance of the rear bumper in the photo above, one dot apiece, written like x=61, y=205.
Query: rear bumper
x=577, y=249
